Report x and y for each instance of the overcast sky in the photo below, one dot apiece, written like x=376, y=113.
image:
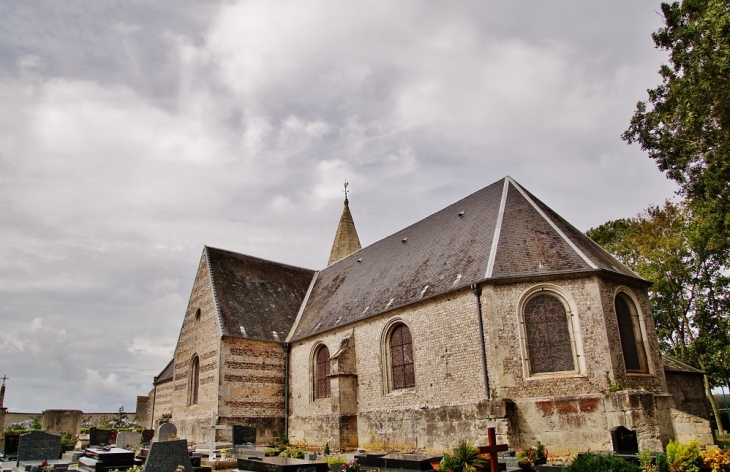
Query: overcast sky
x=132, y=133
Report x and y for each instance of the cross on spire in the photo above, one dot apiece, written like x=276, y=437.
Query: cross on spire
x=346, y=184
x=5, y=377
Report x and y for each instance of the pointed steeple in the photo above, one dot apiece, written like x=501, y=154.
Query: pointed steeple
x=346, y=240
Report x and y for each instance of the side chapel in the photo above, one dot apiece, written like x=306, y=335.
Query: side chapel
x=494, y=311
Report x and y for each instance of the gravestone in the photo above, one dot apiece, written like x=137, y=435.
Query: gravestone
x=243, y=435
x=128, y=438
x=147, y=435
x=167, y=432
x=165, y=456
x=104, y=459
x=11, y=445
x=99, y=437
x=624, y=441
x=39, y=446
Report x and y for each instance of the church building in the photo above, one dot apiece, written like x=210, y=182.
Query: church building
x=493, y=311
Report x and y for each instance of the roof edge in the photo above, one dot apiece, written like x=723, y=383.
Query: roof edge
x=301, y=308
x=212, y=288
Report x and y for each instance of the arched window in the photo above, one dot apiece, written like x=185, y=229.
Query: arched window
x=401, y=357
x=194, y=384
x=548, y=335
x=321, y=371
x=629, y=329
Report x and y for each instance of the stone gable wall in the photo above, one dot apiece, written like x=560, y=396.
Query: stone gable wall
x=252, y=386
x=201, y=337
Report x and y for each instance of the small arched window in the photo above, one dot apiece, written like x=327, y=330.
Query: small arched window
x=194, y=384
x=401, y=357
x=197, y=314
x=321, y=371
x=548, y=335
x=629, y=328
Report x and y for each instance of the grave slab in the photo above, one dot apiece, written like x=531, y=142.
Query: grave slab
x=100, y=459
x=280, y=464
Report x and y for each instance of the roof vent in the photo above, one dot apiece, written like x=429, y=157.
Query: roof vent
x=424, y=290
x=366, y=309
x=243, y=331
x=359, y=260
x=461, y=214
x=275, y=334
x=389, y=303
x=458, y=277
x=338, y=320
x=404, y=240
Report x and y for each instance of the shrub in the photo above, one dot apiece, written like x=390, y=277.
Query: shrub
x=465, y=458
x=684, y=457
x=271, y=452
x=331, y=460
x=293, y=452
x=68, y=441
x=601, y=463
x=718, y=460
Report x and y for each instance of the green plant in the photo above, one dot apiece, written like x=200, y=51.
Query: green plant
x=332, y=460
x=135, y=468
x=68, y=441
x=293, y=452
x=464, y=458
x=532, y=455
x=661, y=462
x=684, y=457
x=613, y=386
x=271, y=452
x=601, y=463
x=718, y=460
x=326, y=450
x=36, y=422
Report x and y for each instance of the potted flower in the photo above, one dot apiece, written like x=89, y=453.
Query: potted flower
x=532, y=456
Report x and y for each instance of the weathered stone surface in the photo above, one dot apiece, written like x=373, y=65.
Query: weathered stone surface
x=62, y=421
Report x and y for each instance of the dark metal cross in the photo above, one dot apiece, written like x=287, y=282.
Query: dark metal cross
x=492, y=450
x=346, y=184
x=5, y=377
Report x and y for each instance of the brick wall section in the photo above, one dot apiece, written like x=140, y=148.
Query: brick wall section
x=252, y=386
x=201, y=337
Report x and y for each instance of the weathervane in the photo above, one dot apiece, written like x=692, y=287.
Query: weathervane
x=346, y=184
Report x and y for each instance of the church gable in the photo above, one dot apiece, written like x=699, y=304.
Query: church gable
x=256, y=298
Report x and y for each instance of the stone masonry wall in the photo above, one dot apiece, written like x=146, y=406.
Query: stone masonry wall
x=691, y=414
x=252, y=386
x=449, y=382
x=163, y=403
x=198, y=336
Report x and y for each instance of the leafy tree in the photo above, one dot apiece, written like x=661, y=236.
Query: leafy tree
x=685, y=125
x=674, y=248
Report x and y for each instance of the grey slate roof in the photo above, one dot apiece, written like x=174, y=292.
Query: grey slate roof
x=256, y=298
x=673, y=365
x=500, y=231
x=166, y=374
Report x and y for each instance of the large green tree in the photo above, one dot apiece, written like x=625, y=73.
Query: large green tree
x=685, y=123
x=675, y=248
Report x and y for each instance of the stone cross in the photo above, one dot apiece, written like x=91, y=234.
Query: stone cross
x=213, y=427
x=492, y=450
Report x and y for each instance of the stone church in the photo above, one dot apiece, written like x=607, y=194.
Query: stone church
x=494, y=311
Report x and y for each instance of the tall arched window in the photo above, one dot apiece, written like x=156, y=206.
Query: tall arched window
x=321, y=371
x=401, y=357
x=194, y=384
x=629, y=329
x=548, y=335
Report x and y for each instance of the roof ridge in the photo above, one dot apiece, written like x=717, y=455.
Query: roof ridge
x=259, y=258
x=212, y=288
x=497, y=228
x=555, y=227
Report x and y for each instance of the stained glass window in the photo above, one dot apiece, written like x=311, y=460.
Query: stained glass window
x=322, y=387
x=549, y=344
x=401, y=352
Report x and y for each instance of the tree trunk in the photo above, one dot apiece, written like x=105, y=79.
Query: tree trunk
x=715, y=410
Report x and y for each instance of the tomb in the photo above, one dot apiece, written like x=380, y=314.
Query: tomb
x=280, y=464
x=106, y=458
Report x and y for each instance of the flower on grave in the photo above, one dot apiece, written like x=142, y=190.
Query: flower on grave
x=45, y=467
x=180, y=468
x=353, y=466
x=534, y=455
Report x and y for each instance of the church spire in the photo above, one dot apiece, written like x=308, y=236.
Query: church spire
x=346, y=240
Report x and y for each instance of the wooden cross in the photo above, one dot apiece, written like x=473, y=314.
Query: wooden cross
x=492, y=450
